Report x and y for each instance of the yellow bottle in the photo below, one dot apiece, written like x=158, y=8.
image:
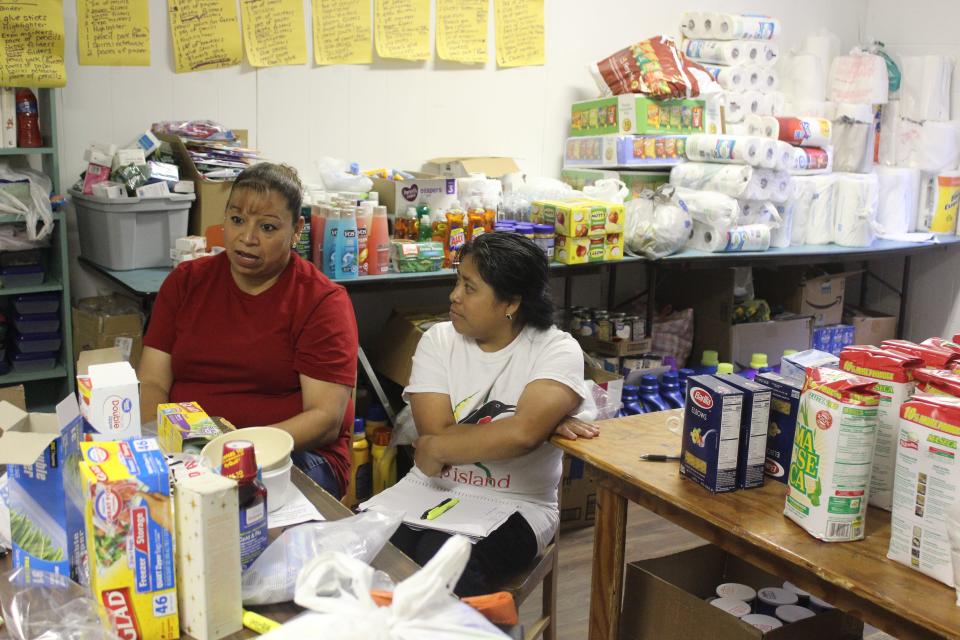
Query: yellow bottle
x=384, y=461
x=376, y=419
x=361, y=480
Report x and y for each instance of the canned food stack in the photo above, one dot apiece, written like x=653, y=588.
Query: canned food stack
x=767, y=608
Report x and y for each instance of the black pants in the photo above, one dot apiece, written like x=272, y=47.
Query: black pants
x=508, y=549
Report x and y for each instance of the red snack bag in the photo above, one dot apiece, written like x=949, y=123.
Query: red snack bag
x=654, y=67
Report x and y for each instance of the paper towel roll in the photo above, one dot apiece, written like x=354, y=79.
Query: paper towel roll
x=769, y=80
x=735, y=109
x=769, y=54
x=752, y=27
x=753, y=52
x=925, y=88
x=886, y=151
x=753, y=103
x=805, y=132
x=853, y=141
x=781, y=236
x=800, y=203
x=811, y=161
x=758, y=212
x=715, y=239
x=817, y=205
x=761, y=186
x=763, y=126
x=709, y=207
x=729, y=78
x=769, y=154
x=781, y=187
x=931, y=146
x=710, y=25
x=691, y=24
x=785, y=156
x=729, y=179
x=859, y=78
x=898, y=200
x=939, y=202
x=808, y=78
x=728, y=52
x=727, y=149
x=855, y=209
x=752, y=77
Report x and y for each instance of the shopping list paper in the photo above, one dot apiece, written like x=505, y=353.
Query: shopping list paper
x=403, y=29
x=519, y=28
x=342, y=33
x=273, y=32
x=462, y=30
x=206, y=34
x=113, y=33
x=297, y=509
x=31, y=44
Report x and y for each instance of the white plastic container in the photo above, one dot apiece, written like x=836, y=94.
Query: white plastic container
x=277, y=482
x=131, y=233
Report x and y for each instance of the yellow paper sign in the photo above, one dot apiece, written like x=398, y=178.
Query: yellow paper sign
x=519, y=26
x=341, y=32
x=113, y=33
x=462, y=30
x=403, y=29
x=206, y=34
x=31, y=43
x=273, y=32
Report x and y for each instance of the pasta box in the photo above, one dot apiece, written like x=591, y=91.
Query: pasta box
x=784, y=407
x=711, y=433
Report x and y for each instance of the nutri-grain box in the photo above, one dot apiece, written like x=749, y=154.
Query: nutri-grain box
x=711, y=433
x=829, y=482
x=784, y=407
x=129, y=529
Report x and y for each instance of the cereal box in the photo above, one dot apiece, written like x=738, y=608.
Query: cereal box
x=711, y=433
x=927, y=485
x=832, y=455
x=182, y=424
x=613, y=247
x=129, y=529
x=894, y=382
x=784, y=407
x=571, y=250
x=754, y=421
x=580, y=218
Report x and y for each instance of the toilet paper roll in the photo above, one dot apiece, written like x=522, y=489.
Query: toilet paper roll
x=886, y=151
x=735, y=108
x=769, y=80
x=852, y=146
x=808, y=79
x=729, y=78
x=763, y=126
x=855, y=209
x=761, y=186
x=728, y=52
x=898, y=199
x=785, y=156
x=816, y=206
x=805, y=132
x=768, y=54
x=718, y=239
x=691, y=24
x=769, y=154
x=727, y=149
x=710, y=25
x=859, y=78
x=753, y=77
x=758, y=212
x=709, y=207
x=811, y=161
x=766, y=104
x=753, y=103
x=931, y=146
x=781, y=236
x=925, y=88
x=939, y=202
x=753, y=52
x=729, y=179
x=781, y=187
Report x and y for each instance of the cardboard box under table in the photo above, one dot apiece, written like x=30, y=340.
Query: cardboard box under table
x=665, y=598
x=820, y=296
x=393, y=356
x=108, y=321
x=870, y=327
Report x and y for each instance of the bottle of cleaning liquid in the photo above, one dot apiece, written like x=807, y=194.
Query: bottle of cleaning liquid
x=318, y=219
x=476, y=224
x=376, y=419
x=787, y=352
x=438, y=225
x=757, y=361
x=361, y=478
x=331, y=231
x=425, y=228
x=346, y=266
x=384, y=461
x=456, y=236
x=723, y=368
x=764, y=370
x=670, y=389
x=708, y=363
x=378, y=243
x=650, y=394
x=364, y=222
x=682, y=376
x=631, y=401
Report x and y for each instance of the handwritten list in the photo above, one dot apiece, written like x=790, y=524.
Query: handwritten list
x=462, y=30
x=113, y=32
x=520, y=33
x=206, y=34
x=31, y=43
x=403, y=29
x=342, y=32
x=273, y=32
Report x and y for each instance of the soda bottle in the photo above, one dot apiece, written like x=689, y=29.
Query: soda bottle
x=28, y=119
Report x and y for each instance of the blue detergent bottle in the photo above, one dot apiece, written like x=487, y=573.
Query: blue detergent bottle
x=709, y=362
x=631, y=401
x=650, y=394
x=757, y=361
x=670, y=389
x=682, y=376
x=786, y=352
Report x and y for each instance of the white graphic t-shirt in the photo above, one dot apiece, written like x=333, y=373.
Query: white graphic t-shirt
x=487, y=386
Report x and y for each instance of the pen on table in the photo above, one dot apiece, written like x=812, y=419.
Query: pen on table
x=435, y=512
x=658, y=457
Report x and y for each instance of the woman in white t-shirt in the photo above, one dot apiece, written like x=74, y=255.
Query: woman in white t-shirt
x=487, y=391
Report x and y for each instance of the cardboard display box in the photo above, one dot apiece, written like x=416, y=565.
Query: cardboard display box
x=398, y=195
x=771, y=338
x=108, y=321
x=578, y=496
x=819, y=296
x=665, y=598
x=870, y=327
x=393, y=356
x=109, y=394
x=462, y=167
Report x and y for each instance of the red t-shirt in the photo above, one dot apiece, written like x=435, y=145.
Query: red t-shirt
x=239, y=355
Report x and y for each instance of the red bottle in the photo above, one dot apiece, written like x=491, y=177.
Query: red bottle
x=28, y=119
x=240, y=463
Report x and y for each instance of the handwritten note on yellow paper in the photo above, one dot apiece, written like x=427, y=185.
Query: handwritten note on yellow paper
x=462, y=30
x=113, y=32
x=519, y=28
x=206, y=34
x=403, y=29
x=341, y=32
x=31, y=43
x=273, y=32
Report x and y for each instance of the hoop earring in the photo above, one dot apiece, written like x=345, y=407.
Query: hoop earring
x=509, y=316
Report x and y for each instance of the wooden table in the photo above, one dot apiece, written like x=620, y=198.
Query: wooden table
x=854, y=576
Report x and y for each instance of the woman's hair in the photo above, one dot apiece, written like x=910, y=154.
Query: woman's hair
x=282, y=179
x=514, y=266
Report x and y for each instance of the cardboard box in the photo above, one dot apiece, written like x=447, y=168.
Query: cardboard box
x=462, y=167
x=771, y=338
x=633, y=113
x=665, y=598
x=15, y=395
x=184, y=424
x=97, y=325
x=398, y=195
x=819, y=296
x=571, y=250
x=212, y=195
x=578, y=496
x=393, y=356
x=41, y=451
x=613, y=151
x=109, y=394
x=870, y=327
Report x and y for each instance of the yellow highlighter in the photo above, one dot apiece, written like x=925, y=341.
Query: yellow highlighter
x=258, y=623
x=437, y=511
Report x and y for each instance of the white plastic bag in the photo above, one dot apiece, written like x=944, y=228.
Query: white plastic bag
x=607, y=190
x=336, y=590
x=272, y=577
x=37, y=209
x=657, y=225
x=336, y=176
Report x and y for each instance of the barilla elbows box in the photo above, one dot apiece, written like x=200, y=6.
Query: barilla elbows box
x=832, y=455
x=784, y=407
x=711, y=433
x=927, y=485
x=892, y=374
x=754, y=424
x=109, y=394
x=183, y=425
x=42, y=452
x=794, y=366
x=130, y=532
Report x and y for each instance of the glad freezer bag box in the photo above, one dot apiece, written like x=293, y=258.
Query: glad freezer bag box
x=130, y=532
x=894, y=382
x=927, y=485
x=833, y=445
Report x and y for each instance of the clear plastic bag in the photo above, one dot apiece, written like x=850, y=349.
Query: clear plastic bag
x=35, y=208
x=43, y=606
x=272, y=577
x=656, y=223
x=607, y=190
x=335, y=175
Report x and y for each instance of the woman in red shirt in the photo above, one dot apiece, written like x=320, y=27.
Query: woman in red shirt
x=258, y=335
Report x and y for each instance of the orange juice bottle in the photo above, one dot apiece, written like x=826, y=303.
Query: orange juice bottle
x=438, y=224
x=456, y=236
x=476, y=225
